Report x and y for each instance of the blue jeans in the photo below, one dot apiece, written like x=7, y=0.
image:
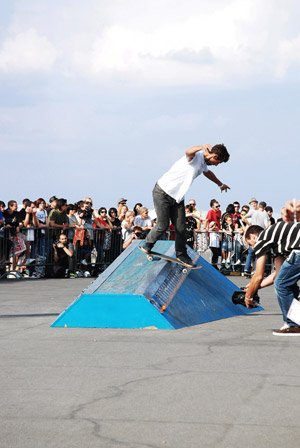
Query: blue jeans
x=286, y=284
x=167, y=208
x=250, y=257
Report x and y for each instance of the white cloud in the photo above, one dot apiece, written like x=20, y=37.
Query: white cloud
x=288, y=55
x=27, y=52
x=222, y=42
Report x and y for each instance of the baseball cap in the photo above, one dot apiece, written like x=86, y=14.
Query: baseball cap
x=122, y=200
x=211, y=224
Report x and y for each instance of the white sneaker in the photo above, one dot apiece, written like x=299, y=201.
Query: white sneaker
x=223, y=261
x=228, y=261
x=83, y=261
x=284, y=326
x=237, y=262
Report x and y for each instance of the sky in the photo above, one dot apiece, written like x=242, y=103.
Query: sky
x=99, y=98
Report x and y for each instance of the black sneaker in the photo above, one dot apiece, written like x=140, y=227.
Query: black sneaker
x=146, y=247
x=186, y=260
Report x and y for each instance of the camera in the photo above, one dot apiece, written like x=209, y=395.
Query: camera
x=86, y=213
x=238, y=298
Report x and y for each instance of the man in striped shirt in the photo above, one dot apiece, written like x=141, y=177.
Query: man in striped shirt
x=284, y=240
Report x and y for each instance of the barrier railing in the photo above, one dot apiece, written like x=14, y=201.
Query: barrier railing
x=31, y=252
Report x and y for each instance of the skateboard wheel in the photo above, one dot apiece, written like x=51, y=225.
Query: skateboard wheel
x=184, y=270
x=163, y=308
x=150, y=257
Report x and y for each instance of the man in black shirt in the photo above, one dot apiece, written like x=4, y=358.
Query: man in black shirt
x=62, y=257
x=284, y=240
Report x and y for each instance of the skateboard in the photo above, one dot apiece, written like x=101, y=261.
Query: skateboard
x=238, y=298
x=185, y=267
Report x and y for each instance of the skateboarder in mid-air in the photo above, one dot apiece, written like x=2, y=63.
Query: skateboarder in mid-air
x=169, y=191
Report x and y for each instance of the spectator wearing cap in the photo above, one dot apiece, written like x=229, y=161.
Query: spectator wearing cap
x=121, y=203
x=258, y=217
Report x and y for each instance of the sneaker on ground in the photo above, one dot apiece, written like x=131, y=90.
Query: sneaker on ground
x=237, y=262
x=72, y=275
x=83, y=261
x=284, y=326
x=186, y=260
x=223, y=261
x=290, y=331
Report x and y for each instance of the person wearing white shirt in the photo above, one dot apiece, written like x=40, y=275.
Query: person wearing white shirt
x=169, y=191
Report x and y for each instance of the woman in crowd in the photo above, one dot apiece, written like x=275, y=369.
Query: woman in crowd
x=127, y=224
x=42, y=217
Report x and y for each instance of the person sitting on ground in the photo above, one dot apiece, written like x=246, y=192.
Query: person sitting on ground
x=62, y=259
x=136, y=234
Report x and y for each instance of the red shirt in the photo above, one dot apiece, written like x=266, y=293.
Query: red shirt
x=213, y=215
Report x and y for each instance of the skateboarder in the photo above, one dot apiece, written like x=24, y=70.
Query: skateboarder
x=169, y=191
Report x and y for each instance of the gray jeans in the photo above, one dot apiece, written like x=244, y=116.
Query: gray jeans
x=168, y=209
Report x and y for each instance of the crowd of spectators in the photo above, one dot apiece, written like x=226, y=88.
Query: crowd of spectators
x=58, y=239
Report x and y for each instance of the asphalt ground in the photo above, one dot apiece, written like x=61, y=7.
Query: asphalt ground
x=228, y=383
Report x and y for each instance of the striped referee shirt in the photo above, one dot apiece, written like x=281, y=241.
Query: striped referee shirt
x=281, y=237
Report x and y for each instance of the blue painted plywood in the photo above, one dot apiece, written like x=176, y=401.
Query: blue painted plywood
x=132, y=292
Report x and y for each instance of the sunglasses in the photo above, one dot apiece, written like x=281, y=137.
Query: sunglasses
x=103, y=211
x=217, y=206
x=88, y=202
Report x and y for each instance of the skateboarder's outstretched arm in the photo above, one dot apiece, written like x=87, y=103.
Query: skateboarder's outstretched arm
x=211, y=176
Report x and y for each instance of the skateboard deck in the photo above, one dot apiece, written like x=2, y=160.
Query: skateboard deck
x=151, y=255
x=238, y=298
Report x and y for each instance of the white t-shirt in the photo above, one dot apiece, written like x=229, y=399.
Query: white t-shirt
x=214, y=239
x=181, y=175
x=258, y=218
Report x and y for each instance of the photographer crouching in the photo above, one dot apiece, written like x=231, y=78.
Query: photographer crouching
x=63, y=265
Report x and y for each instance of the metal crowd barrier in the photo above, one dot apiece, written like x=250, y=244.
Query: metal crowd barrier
x=30, y=252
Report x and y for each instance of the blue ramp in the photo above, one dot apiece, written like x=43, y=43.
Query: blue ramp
x=136, y=293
